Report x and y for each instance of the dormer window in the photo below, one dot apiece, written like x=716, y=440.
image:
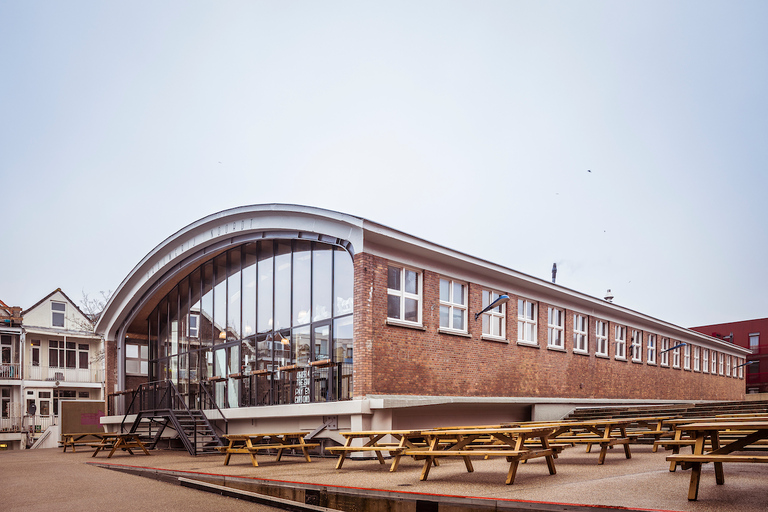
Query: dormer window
x=57, y=314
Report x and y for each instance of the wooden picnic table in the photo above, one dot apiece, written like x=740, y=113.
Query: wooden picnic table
x=82, y=439
x=253, y=443
x=741, y=434
x=372, y=443
x=513, y=443
x=605, y=432
x=126, y=441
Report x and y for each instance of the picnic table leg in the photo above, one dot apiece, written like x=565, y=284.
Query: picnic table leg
x=251, y=452
x=305, y=450
x=228, y=454
x=512, y=471
x=693, y=488
x=549, y=458
x=115, y=446
x=719, y=476
x=627, y=450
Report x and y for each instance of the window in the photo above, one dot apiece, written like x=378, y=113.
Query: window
x=714, y=363
x=53, y=353
x=727, y=366
x=664, y=352
x=721, y=364
x=637, y=346
x=601, y=338
x=621, y=342
x=453, y=305
x=6, y=349
x=754, y=342
x=193, y=326
x=555, y=328
x=741, y=368
x=526, y=322
x=675, y=355
x=687, y=357
x=495, y=320
x=705, y=360
x=136, y=359
x=651, y=350
x=57, y=314
x=580, y=339
x=35, y=352
x=696, y=359
x=404, y=295
x=83, y=355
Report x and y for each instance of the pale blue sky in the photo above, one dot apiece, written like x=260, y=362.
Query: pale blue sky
x=470, y=124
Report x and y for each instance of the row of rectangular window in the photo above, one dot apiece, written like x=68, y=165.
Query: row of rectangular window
x=404, y=295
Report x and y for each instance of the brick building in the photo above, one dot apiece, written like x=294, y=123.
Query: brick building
x=752, y=335
x=287, y=317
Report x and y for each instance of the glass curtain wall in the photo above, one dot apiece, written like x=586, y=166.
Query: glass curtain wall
x=268, y=322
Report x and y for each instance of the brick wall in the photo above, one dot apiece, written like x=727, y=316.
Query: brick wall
x=391, y=359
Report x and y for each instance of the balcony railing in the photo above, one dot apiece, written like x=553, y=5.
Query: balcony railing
x=28, y=423
x=9, y=371
x=74, y=375
x=757, y=378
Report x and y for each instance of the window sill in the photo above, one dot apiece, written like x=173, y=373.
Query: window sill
x=463, y=334
x=651, y=363
x=637, y=361
x=556, y=348
x=624, y=359
x=408, y=325
x=497, y=339
x=527, y=344
x=603, y=356
x=581, y=352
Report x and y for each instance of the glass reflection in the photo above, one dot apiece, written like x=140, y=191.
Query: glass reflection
x=271, y=308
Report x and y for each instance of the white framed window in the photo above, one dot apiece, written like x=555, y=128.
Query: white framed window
x=555, y=337
x=453, y=305
x=526, y=322
x=58, y=311
x=193, y=325
x=727, y=366
x=741, y=368
x=580, y=336
x=721, y=364
x=404, y=289
x=664, y=352
x=601, y=338
x=705, y=360
x=754, y=342
x=494, y=320
x=637, y=346
x=675, y=355
x=714, y=363
x=136, y=359
x=621, y=343
x=687, y=357
x=651, y=349
x=696, y=359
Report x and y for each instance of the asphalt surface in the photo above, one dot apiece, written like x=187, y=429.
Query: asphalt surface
x=55, y=481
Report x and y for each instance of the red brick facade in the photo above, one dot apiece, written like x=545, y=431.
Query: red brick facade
x=391, y=359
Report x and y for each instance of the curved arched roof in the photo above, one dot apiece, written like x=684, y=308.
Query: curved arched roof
x=206, y=237
x=219, y=231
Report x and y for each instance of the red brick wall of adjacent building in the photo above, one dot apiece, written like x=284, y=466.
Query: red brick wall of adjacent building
x=738, y=334
x=390, y=359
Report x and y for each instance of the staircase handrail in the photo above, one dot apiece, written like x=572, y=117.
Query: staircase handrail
x=221, y=414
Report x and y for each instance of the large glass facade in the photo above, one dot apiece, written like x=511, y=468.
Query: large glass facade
x=268, y=322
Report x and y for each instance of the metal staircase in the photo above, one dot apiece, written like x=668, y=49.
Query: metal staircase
x=158, y=406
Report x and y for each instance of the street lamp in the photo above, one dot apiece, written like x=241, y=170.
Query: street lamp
x=498, y=302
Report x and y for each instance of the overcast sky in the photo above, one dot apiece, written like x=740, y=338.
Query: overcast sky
x=626, y=141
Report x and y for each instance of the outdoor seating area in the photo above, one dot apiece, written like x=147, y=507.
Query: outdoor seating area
x=721, y=439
